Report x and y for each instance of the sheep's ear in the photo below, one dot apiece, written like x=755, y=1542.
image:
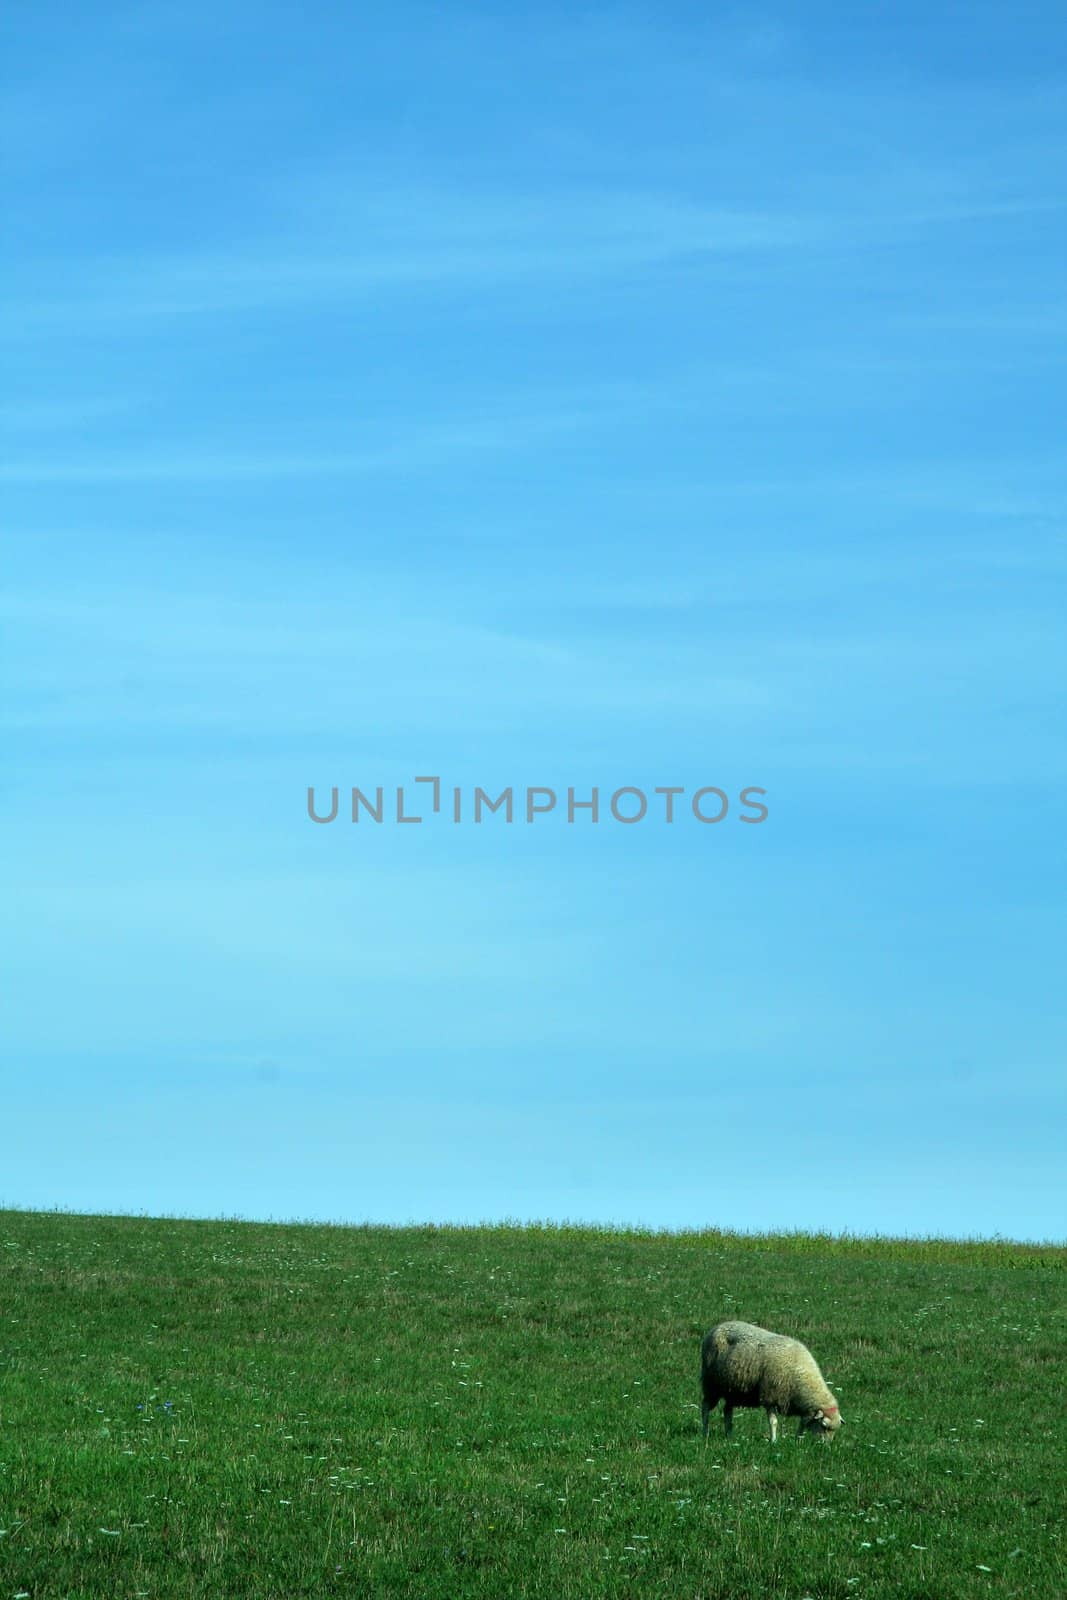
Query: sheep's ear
x=818, y=1415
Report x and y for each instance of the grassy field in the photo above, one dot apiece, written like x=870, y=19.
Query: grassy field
x=234, y=1409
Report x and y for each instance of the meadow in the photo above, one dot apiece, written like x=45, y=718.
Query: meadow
x=234, y=1409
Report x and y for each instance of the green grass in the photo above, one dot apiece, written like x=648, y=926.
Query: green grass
x=233, y=1409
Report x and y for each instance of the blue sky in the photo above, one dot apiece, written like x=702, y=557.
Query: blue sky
x=631, y=396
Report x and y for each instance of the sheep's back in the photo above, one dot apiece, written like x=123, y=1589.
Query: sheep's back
x=735, y=1355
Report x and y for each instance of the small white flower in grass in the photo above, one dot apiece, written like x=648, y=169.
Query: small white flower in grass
x=918, y=1547
x=984, y=1569
x=113, y=1533
x=559, y=1530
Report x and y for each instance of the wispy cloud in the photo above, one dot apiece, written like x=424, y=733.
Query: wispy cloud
x=410, y=448
x=63, y=416
x=433, y=241
x=1017, y=322
x=412, y=665
x=484, y=243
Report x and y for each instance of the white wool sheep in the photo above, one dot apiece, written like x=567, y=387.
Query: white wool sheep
x=743, y=1365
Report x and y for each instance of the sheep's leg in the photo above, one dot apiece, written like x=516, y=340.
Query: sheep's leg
x=728, y=1419
x=772, y=1418
x=710, y=1401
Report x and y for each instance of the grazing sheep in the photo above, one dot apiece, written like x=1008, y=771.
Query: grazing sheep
x=743, y=1365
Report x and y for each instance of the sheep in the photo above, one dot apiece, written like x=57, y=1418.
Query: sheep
x=743, y=1365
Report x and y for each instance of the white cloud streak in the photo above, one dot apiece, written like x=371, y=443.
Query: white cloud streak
x=436, y=241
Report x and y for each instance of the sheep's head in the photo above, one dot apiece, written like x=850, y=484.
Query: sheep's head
x=823, y=1423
